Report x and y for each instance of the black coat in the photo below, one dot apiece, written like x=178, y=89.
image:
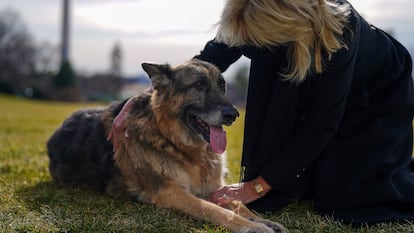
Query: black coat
x=343, y=138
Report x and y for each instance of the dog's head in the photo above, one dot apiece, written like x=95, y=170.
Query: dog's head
x=190, y=104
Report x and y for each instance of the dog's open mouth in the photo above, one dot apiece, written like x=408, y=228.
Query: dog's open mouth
x=215, y=135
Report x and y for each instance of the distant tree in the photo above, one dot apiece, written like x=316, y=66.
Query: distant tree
x=241, y=78
x=17, y=52
x=241, y=81
x=65, y=77
x=65, y=87
x=116, y=60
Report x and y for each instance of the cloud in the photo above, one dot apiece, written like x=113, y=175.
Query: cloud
x=396, y=16
x=162, y=30
x=151, y=15
x=391, y=14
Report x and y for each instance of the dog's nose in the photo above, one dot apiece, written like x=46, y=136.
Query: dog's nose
x=229, y=114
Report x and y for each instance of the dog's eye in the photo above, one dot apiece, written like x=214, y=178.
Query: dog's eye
x=199, y=86
x=222, y=85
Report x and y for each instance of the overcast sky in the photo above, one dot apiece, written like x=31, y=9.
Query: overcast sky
x=161, y=30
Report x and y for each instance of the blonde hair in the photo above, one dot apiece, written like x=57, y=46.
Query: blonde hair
x=308, y=27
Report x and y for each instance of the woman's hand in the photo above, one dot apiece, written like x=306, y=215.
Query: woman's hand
x=244, y=192
x=118, y=125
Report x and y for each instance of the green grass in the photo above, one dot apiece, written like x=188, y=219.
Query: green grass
x=31, y=202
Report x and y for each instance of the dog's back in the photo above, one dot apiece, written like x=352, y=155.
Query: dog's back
x=79, y=152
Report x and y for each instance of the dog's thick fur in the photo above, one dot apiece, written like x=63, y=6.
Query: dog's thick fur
x=167, y=159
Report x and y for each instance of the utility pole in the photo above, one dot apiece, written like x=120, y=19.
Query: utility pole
x=65, y=32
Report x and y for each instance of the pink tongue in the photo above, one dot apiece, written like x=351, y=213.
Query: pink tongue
x=217, y=139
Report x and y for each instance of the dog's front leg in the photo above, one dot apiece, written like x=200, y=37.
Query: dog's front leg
x=239, y=208
x=180, y=199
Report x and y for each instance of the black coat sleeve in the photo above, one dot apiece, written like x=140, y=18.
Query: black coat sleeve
x=323, y=113
x=219, y=54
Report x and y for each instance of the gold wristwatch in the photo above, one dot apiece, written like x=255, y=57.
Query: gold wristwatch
x=258, y=188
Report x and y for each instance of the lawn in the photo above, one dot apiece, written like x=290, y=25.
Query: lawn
x=31, y=202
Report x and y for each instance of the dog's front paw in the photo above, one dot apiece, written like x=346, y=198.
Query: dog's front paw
x=276, y=227
x=257, y=228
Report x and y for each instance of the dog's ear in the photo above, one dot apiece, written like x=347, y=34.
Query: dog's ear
x=160, y=75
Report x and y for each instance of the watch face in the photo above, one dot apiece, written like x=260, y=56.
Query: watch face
x=258, y=188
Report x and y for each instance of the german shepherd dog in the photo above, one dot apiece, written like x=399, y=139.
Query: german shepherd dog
x=172, y=155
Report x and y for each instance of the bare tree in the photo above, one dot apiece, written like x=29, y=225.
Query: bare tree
x=47, y=57
x=16, y=50
x=237, y=89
